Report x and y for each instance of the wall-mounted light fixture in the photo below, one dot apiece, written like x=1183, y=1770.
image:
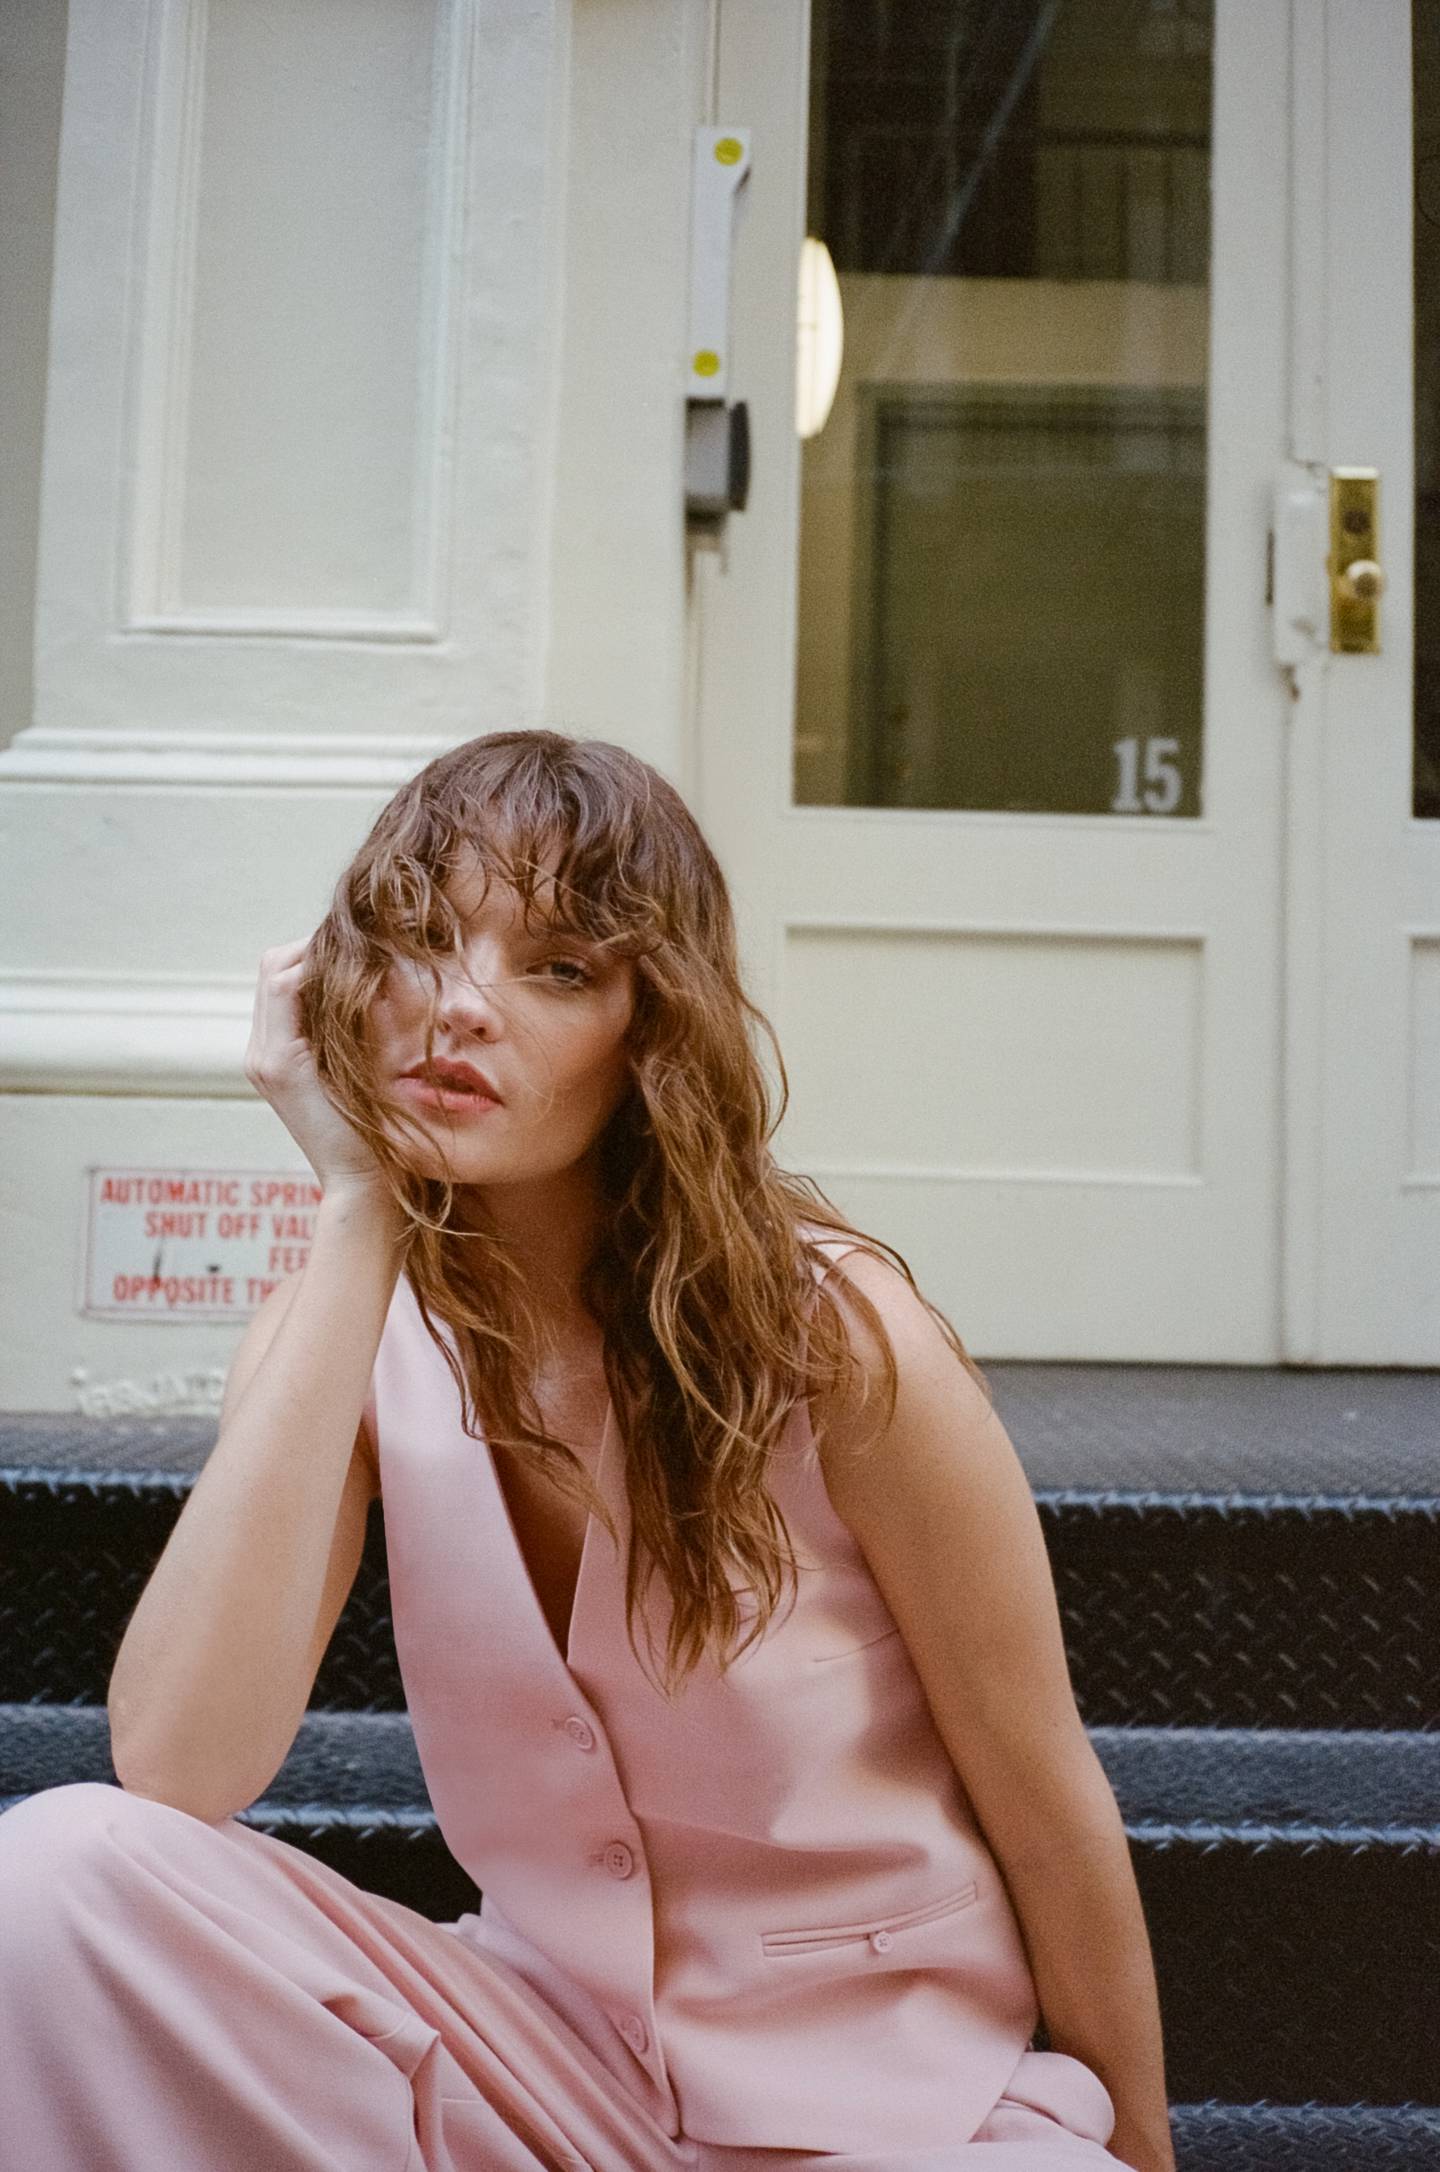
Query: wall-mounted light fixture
x=820, y=338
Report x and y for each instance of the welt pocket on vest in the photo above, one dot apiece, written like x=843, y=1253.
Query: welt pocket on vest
x=879, y=1933
x=825, y=1659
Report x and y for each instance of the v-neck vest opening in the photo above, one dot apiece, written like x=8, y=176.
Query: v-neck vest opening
x=565, y=1655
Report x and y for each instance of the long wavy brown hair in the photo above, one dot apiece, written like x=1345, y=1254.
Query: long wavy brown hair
x=702, y=1279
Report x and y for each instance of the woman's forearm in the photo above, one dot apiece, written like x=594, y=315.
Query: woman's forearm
x=215, y=1669
x=1084, y=1929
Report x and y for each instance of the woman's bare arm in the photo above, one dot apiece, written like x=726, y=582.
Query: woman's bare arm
x=940, y=1506
x=219, y=1659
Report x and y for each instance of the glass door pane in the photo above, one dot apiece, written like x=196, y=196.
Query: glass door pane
x=1002, y=521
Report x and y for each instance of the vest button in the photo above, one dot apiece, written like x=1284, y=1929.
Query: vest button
x=635, y=2033
x=578, y=1731
x=618, y=1860
x=882, y=1941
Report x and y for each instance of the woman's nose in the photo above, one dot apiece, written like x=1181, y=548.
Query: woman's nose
x=468, y=1000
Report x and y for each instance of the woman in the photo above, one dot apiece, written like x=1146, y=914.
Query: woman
x=786, y=1878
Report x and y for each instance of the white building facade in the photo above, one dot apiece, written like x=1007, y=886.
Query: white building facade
x=1062, y=709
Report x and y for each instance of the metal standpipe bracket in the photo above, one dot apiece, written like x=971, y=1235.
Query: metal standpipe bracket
x=717, y=459
x=717, y=435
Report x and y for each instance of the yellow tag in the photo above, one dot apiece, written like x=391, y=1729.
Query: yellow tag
x=729, y=150
x=706, y=362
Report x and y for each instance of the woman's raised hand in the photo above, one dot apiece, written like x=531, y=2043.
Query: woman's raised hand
x=280, y=1065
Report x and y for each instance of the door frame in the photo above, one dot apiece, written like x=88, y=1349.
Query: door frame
x=1362, y=877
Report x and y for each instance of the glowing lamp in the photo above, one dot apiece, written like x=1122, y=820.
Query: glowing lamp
x=820, y=338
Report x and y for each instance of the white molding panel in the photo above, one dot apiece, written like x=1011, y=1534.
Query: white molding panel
x=66, y=1034
x=1065, y=1055
x=341, y=761
x=294, y=361
x=1422, y=1068
x=302, y=406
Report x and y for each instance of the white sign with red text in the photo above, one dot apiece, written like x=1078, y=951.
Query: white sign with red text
x=192, y=1244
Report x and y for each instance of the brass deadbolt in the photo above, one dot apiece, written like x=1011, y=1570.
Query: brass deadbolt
x=1361, y=582
x=1356, y=577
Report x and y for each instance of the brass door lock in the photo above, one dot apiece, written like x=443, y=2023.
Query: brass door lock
x=1356, y=577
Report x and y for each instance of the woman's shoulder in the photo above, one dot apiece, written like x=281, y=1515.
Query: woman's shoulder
x=831, y=1244
x=851, y=1263
x=861, y=1261
x=888, y=1323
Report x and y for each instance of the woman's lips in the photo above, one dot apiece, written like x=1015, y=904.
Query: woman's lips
x=426, y=1095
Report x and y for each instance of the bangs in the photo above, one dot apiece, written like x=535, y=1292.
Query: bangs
x=574, y=852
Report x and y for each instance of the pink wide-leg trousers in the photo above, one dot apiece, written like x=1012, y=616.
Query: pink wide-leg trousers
x=207, y=1998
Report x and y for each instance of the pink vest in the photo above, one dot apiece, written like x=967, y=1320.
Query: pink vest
x=767, y=1907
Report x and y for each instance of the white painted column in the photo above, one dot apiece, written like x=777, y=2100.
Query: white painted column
x=363, y=435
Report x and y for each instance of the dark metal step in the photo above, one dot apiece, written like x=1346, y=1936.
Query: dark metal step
x=1271, y=2137
x=1293, y=1429
x=1272, y=1785
x=1248, y=1610
x=1291, y=1883
x=1177, y=1609
x=1291, y=1886
x=1270, y=1788
x=1245, y=1563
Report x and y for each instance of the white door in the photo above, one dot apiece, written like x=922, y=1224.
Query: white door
x=1034, y=878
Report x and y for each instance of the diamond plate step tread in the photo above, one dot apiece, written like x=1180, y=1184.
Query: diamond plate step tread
x=1265, y=1779
x=1295, y=2014
x=1212, y=2136
x=1244, y=1785
x=1248, y=1610
x=1204, y=1428
x=1223, y=1428
x=1291, y=1611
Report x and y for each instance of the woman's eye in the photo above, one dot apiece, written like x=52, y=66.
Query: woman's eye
x=570, y=966
x=428, y=932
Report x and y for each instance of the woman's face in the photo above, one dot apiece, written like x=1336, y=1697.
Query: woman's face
x=540, y=1017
